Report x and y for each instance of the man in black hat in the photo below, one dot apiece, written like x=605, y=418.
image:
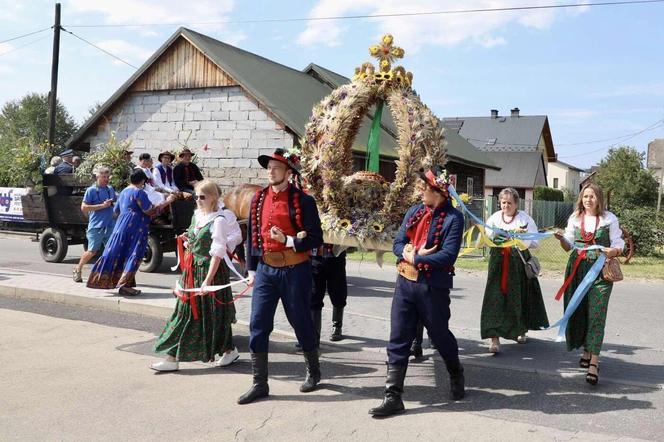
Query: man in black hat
x=426, y=247
x=163, y=173
x=284, y=227
x=186, y=174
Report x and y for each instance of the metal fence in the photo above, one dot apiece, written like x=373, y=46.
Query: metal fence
x=548, y=215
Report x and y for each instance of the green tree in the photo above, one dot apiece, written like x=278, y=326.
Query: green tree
x=624, y=179
x=24, y=122
x=28, y=118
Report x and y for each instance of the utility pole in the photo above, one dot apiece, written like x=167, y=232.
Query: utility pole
x=53, y=94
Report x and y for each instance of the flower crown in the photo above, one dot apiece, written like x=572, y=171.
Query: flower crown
x=293, y=155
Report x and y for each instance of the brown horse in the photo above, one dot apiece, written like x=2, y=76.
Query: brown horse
x=238, y=200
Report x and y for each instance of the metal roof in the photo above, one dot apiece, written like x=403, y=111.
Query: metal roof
x=288, y=93
x=518, y=169
x=505, y=133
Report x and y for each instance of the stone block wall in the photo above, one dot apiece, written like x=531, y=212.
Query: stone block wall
x=234, y=127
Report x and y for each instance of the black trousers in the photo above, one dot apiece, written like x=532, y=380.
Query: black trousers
x=413, y=302
x=328, y=274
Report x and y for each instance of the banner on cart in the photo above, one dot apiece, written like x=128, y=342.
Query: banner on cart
x=10, y=203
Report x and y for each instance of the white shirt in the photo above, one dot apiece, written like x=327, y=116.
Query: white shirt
x=521, y=222
x=608, y=219
x=160, y=184
x=226, y=233
x=154, y=196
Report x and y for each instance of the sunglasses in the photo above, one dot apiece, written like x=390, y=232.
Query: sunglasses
x=199, y=197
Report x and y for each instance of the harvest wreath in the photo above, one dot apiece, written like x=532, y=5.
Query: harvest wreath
x=362, y=207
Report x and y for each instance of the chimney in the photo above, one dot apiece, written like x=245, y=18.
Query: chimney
x=515, y=112
x=494, y=113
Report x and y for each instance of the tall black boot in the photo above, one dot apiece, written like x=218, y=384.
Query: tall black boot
x=337, y=323
x=316, y=317
x=313, y=371
x=260, y=388
x=392, y=403
x=457, y=381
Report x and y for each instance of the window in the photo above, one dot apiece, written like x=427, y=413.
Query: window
x=469, y=186
x=555, y=183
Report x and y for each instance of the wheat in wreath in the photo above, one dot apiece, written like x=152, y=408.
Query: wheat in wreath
x=361, y=209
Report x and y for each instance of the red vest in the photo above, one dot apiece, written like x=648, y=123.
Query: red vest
x=275, y=213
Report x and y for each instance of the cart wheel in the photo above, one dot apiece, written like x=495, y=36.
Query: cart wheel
x=53, y=245
x=154, y=255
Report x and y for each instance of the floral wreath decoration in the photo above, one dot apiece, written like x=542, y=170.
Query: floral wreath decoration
x=362, y=205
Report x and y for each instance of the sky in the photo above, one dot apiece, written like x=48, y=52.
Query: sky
x=596, y=72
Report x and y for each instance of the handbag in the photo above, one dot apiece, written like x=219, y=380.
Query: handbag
x=532, y=266
x=611, y=271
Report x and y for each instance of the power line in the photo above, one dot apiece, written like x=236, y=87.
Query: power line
x=24, y=45
x=364, y=16
x=630, y=135
x=26, y=35
x=101, y=49
x=657, y=125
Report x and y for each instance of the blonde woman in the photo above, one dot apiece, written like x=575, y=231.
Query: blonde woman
x=512, y=302
x=200, y=326
x=590, y=224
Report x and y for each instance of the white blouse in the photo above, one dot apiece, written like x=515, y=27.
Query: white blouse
x=522, y=222
x=615, y=234
x=226, y=233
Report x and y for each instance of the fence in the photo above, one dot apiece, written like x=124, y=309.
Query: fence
x=547, y=215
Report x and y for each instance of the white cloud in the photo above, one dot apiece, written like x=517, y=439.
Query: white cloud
x=416, y=31
x=125, y=50
x=5, y=47
x=155, y=11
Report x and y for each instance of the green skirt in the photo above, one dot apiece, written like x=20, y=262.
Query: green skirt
x=189, y=339
x=521, y=309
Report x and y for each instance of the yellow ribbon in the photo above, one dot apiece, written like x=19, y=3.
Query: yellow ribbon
x=483, y=240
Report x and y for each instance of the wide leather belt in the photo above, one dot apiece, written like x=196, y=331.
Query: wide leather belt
x=288, y=257
x=408, y=271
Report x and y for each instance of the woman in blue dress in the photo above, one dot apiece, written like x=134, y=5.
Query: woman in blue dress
x=125, y=250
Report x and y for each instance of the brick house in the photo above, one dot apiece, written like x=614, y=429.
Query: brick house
x=230, y=106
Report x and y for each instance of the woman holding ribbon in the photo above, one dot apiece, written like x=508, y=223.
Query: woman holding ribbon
x=589, y=225
x=512, y=301
x=200, y=326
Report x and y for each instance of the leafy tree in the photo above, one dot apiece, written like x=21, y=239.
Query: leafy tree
x=23, y=133
x=624, y=179
x=28, y=118
x=544, y=193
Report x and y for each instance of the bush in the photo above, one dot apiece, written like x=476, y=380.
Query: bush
x=544, y=193
x=647, y=232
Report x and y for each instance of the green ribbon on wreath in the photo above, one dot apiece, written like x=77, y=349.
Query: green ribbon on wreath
x=372, y=163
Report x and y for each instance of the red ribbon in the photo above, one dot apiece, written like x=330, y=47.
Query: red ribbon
x=580, y=257
x=505, y=270
x=187, y=267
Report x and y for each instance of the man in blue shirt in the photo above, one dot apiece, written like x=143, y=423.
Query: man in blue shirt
x=98, y=202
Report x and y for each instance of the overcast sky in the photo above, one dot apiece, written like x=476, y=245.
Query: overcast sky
x=597, y=72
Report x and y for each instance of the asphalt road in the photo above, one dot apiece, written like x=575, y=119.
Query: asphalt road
x=536, y=385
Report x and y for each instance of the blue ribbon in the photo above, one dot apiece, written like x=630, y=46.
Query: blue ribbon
x=525, y=236
x=578, y=296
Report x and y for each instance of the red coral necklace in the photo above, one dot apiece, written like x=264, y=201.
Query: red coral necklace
x=588, y=236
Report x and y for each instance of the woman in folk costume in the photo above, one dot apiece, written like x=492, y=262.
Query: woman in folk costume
x=124, y=252
x=163, y=173
x=200, y=326
x=512, y=301
x=590, y=224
